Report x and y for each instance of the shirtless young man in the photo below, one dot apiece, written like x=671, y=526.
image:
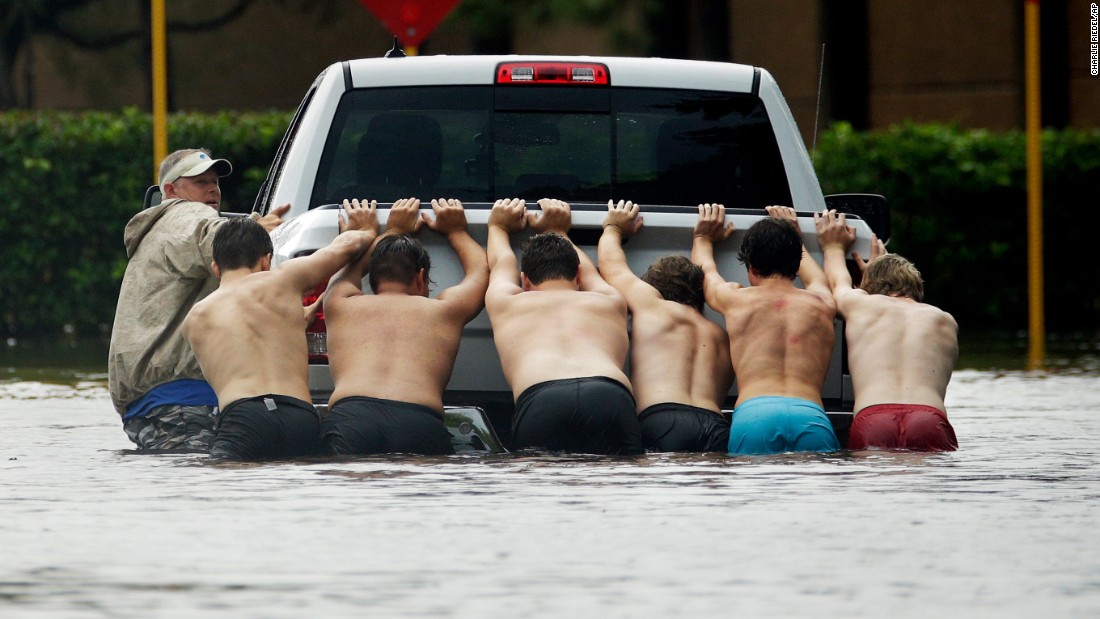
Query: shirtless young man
x=781, y=337
x=901, y=351
x=679, y=359
x=560, y=331
x=392, y=352
x=249, y=336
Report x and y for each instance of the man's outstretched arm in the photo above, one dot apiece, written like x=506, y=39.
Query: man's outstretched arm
x=878, y=250
x=835, y=238
x=467, y=296
x=348, y=281
x=622, y=221
x=350, y=246
x=274, y=218
x=711, y=228
x=507, y=216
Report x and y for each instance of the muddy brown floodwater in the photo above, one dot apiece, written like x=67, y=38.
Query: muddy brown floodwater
x=1004, y=527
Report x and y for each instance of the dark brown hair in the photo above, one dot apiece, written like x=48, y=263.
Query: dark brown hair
x=398, y=259
x=772, y=247
x=549, y=256
x=677, y=279
x=240, y=242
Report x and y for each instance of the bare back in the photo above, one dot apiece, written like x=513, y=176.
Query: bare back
x=781, y=340
x=250, y=339
x=544, y=335
x=392, y=346
x=678, y=355
x=899, y=351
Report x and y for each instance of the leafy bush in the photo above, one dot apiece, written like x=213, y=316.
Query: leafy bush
x=959, y=211
x=70, y=182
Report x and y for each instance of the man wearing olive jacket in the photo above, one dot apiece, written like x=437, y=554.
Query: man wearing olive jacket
x=155, y=382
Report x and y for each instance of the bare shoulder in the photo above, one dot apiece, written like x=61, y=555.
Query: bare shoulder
x=193, y=316
x=820, y=297
x=661, y=311
x=640, y=296
x=943, y=317
x=853, y=299
x=200, y=308
x=200, y=315
x=452, y=305
x=338, y=302
x=501, y=297
x=729, y=293
x=707, y=327
x=609, y=297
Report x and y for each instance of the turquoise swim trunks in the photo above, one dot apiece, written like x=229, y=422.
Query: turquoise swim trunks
x=773, y=424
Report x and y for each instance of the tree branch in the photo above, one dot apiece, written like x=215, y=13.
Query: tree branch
x=230, y=15
x=85, y=40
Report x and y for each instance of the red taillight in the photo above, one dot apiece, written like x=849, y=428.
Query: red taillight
x=552, y=73
x=316, y=333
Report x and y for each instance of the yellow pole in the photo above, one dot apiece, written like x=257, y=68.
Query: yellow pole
x=160, y=87
x=1036, y=327
x=412, y=50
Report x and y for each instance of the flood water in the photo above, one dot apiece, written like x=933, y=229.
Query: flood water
x=1004, y=527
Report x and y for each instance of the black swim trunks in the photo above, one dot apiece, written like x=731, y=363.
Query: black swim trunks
x=680, y=427
x=363, y=425
x=582, y=415
x=267, y=426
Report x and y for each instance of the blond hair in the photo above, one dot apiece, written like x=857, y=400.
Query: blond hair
x=895, y=276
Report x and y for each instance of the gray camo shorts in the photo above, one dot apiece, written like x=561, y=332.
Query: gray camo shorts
x=175, y=427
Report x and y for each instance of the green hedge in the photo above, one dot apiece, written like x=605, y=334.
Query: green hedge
x=68, y=185
x=959, y=211
x=70, y=182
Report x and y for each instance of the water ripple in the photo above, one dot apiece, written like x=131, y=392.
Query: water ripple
x=1003, y=527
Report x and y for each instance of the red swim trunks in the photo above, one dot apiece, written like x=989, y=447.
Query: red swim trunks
x=902, y=426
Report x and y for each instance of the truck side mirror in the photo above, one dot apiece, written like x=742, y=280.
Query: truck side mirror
x=152, y=197
x=871, y=208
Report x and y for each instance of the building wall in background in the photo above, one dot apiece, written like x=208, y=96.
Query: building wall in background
x=935, y=60
x=782, y=36
x=1084, y=88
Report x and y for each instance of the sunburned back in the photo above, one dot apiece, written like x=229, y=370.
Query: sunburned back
x=899, y=351
x=250, y=340
x=781, y=341
x=678, y=355
x=546, y=335
x=392, y=346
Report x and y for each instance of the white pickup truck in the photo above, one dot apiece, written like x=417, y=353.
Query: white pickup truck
x=667, y=134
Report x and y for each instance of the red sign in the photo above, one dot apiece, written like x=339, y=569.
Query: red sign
x=411, y=21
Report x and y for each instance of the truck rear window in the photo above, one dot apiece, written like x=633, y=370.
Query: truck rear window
x=480, y=143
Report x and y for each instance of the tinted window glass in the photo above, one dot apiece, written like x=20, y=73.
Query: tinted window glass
x=687, y=147
x=541, y=98
x=648, y=145
x=553, y=142
x=393, y=143
x=553, y=155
